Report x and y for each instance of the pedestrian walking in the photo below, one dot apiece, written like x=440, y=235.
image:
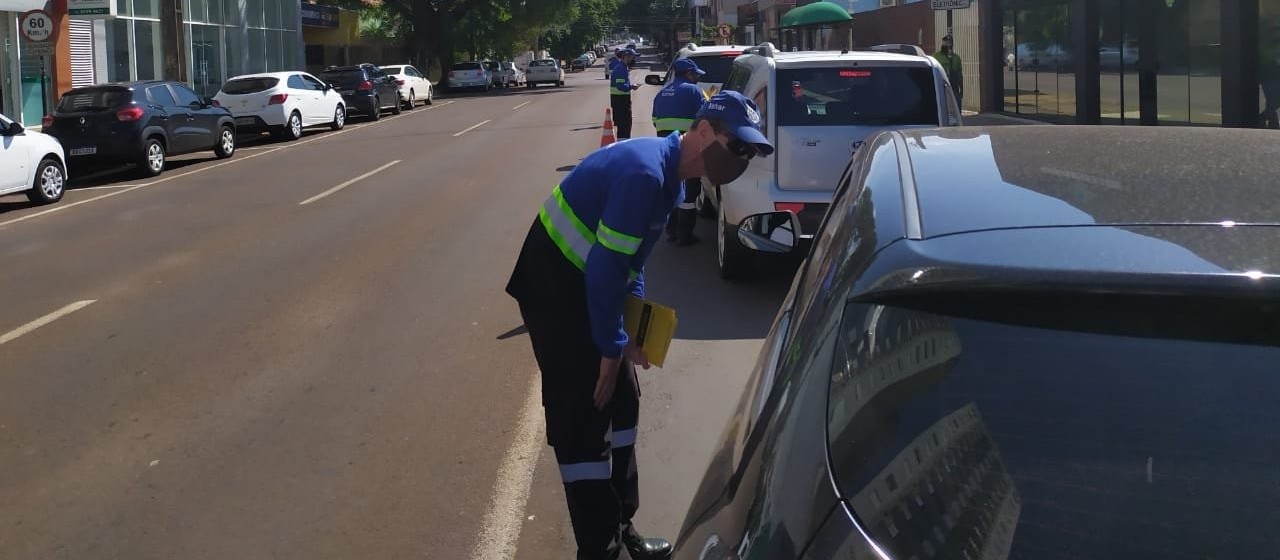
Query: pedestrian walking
x=952, y=66
x=674, y=109
x=583, y=255
x=620, y=88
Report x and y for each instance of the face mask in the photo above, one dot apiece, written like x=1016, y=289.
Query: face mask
x=722, y=165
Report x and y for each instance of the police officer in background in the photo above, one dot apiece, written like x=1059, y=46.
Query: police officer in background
x=620, y=88
x=583, y=255
x=673, y=111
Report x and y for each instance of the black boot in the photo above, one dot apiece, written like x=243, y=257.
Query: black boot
x=641, y=548
x=688, y=219
x=673, y=226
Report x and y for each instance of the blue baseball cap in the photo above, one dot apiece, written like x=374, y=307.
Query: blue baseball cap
x=686, y=64
x=740, y=117
x=629, y=52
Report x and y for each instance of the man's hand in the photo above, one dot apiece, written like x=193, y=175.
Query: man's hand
x=636, y=355
x=607, y=380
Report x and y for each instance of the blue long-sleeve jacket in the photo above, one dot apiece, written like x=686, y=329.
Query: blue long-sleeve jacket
x=676, y=105
x=620, y=79
x=606, y=216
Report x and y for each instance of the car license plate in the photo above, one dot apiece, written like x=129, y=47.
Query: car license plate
x=244, y=120
x=84, y=151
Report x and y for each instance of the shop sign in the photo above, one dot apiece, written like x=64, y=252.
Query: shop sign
x=319, y=16
x=91, y=9
x=949, y=4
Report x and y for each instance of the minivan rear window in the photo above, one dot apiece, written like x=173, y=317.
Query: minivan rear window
x=716, y=67
x=861, y=95
x=97, y=99
x=966, y=425
x=245, y=86
x=466, y=66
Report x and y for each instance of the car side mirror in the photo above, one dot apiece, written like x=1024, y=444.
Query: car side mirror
x=771, y=232
x=653, y=80
x=13, y=129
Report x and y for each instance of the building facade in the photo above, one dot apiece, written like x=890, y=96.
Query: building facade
x=200, y=42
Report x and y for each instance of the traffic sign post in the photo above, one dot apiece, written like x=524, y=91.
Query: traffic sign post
x=38, y=31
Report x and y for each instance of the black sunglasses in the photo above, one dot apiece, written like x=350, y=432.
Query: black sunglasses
x=741, y=149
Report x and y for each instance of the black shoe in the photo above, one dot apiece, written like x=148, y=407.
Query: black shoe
x=641, y=548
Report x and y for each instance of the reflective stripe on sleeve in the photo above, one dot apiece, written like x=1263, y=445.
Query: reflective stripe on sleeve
x=566, y=230
x=671, y=123
x=573, y=472
x=617, y=241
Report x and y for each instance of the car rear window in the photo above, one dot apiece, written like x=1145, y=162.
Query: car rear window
x=244, y=86
x=538, y=63
x=862, y=95
x=345, y=78
x=964, y=425
x=466, y=66
x=393, y=69
x=96, y=99
x=716, y=67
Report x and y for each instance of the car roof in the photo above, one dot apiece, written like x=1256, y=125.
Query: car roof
x=712, y=50
x=982, y=178
x=267, y=75
x=347, y=68
x=805, y=57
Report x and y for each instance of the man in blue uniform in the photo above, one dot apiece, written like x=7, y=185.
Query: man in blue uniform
x=583, y=255
x=673, y=111
x=620, y=88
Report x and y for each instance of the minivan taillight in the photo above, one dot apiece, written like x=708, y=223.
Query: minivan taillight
x=365, y=86
x=278, y=99
x=130, y=114
x=46, y=122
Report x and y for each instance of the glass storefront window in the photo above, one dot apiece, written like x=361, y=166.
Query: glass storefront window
x=196, y=10
x=146, y=8
x=288, y=15
x=147, y=47
x=118, y=52
x=206, y=59
x=253, y=13
x=124, y=7
x=1040, y=60
x=257, y=50
x=289, y=48
x=236, y=53
x=275, y=56
x=1269, y=62
x=272, y=14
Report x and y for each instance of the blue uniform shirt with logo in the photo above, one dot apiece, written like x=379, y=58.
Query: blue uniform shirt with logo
x=676, y=105
x=623, y=193
x=620, y=79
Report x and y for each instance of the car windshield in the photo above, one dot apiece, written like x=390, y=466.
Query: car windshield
x=343, y=78
x=466, y=66
x=96, y=99
x=863, y=95
x=1110, y=431
x=716, y=67
x=542, y=63
x=242, y=86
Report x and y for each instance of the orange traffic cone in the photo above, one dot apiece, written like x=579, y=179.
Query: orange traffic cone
x=606, y=136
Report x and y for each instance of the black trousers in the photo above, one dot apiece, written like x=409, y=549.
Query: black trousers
x=595, y=449
x=621, y=105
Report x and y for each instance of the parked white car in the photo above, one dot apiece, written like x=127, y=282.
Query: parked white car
x=32, y=162
x=282, y=103
x=818, y=108
x=508, y=75
x=470, y=74
x=715, y=60
x=544, y=71
x=414, y=85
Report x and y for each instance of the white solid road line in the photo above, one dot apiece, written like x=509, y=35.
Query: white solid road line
x=66, y=310
x=471, y=128
x=125, y=189
x=500, y=533
x=522, y=104
x=347, y=183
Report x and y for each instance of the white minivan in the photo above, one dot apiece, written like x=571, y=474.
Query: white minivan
x=817, y=108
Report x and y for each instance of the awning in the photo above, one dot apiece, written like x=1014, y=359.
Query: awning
x=817, y=13
x=21, y=5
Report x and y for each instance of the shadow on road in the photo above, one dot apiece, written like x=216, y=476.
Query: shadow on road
x=707, y=307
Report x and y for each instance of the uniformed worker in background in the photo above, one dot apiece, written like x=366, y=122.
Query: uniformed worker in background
x=620, y=88
x=583, y=255
x=673, y=110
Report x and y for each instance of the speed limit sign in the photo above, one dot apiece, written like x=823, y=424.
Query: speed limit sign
x=36, y=26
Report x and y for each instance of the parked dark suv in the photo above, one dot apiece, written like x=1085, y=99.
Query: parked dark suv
x=1017, y=342
x=365, y=88
x=139, y=122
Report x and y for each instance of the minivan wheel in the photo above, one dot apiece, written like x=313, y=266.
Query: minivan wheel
x=153, y=158
x=292, y=129
x=431, y=93
x=732, y=257
x=50, y=183
x=226, y=143
x=413, y=100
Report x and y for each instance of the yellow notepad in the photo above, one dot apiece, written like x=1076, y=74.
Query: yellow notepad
x=650, y=326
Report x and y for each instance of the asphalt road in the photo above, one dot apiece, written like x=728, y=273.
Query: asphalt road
x=201, y=366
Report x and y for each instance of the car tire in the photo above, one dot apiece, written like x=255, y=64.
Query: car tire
x=50, y=182
x=705, y=208
x=413, y=100
x=397, y=108
x=339, y=118
x=560, y=83
x=226, y=146
x=376, y=113
x=152, y=160
x=292, y=129
x=431, y=93
x=733, y=259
